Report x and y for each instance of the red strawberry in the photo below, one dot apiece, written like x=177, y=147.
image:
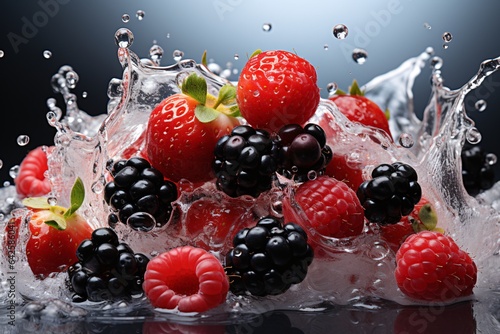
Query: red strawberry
x=187, y=278
x=31, y=180
x=358, y=108
x=332, y=208
x=431, y=267
x=184, y=128
x=339, y=168
x=276, y=88
x=56, y=233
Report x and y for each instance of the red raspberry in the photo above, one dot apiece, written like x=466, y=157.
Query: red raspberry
x=187, y=278
x=31, y=180
x=332, y=208
x=430, y=266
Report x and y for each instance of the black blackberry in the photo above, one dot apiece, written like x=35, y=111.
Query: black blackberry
x=392, y=193
x=302, y=150
x=138, y=195
x=245, y=162
x=477, y=172
x=268, y=258
x=106, y=269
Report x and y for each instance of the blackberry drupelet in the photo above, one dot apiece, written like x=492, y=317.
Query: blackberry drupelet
x=268, y=258
x=392, y=193
x=302, y=150
x=245, y=162
x=106, y=269
x=138, y=195
x=477, y=172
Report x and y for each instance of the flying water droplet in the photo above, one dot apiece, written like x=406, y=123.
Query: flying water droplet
x=429, y=50
x=124, y=38
x=168, y=35
x=226, y=73
x=72, y=79
x=480, y=105
x=140, y=15
x=84, y=94
x=125, y=18
x=445, y=46
x=340, y=31
x=359, y=56
x=473, y=135
x=406, y=140
x=236, y=56
x=6, y=184
x=47, y=54
x=436, y=62
x=267, y=27
x=52, y=201
x=325, y=47
x=1, y=163
x=177, y=55
x=14, y=171
x=427, y=26
x=331, y=88
x=447, y=37
x=214, y=68
x=2, y=53
x=156, y=53
x=23, y=140
x=491, y=159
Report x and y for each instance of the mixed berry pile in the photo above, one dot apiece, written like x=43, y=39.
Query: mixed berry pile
x=253, y=139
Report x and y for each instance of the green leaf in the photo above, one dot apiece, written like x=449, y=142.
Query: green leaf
x=77, y=197
x=36, y=203
x=428, y=216
x=57, y=222
x=340, y=92
x=205, y=114
x=256, y=52
x=204, y=59
x=387, y=114
x=227, y=95
x=234, y=111
x=196, y=87
x=355, y=90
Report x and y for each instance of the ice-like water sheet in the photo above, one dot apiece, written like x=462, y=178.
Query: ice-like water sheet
x=354, y=270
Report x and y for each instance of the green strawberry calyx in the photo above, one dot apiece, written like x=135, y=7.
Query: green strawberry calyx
x=427, y=220
x=210, y=107
x=355, y=90
x=58, y=216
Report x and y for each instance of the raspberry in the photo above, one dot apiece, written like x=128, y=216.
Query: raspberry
x=391, y=194
x=431, y=267
x=139, y=195
x=106, y=269
x=187, y=278
x=268, y=258
x=477, y=172
x=331, y=207
x=31, y=180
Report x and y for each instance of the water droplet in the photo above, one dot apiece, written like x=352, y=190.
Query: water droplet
x=325, y=47
x=71, y=79
x=47, y=54
x=445, y=46
x=447, y=37
x=294, y=169
x=427, y=26
x=406, y=140
x=52, y=201
x=140, y=14
x=256, y=93
x=154, y=253
x=267, y=27
x=429, y=50
x=6, y=183
x=340, y=31
x=124, y=38
x=480, y=105
x=84, y=94
x=436, y=62
x=51, y=117
x=1, y=163
x=2, y=53
x=236, y=56
x=331, y=88
x=168, y=35
x=359, y=56
x=473, y=135
x=125, y=18
x=2, y=216
x=491, y=159
x=98, y=186
x=177, y=55
x=23, y=140
x=226, y=73
x=214, y=68
x=156, y=53
x=312, y=175
x=14, y=171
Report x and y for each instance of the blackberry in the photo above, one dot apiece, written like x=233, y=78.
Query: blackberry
x=477, y=171
x=302, y=150
x=138, y=195
x=245, y=162
x=268, y=258
x=392, y=193
x=106, y=269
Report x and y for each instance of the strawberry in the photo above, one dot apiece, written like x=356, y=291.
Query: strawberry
x=31, y=180
x=339, y=168
x=187, y=278
x=55, y=233
x=276, y=88
x=331, y=207
x=358, y=108
x=183, y=129
x=431, y=267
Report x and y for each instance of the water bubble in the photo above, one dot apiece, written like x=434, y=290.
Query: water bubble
x=2, y=53
x=14, y=171
x=124, y=38
x=267, y=27
x=359, y=56
x=156, y=53
x=325, y=47
x=98, y=186
x=331, y=88
x=480, y=105
x=447, y=37
x=47, y=54
x=125, y=18
x=235, y=71
x=84, y=94
x=406, y=140
x=436, y=62
x=312, y=175
x=177, y=55
x=140, y=14
x=340, y=31
x=427, y=26
x=473, y=135
x=491, y=159
x=52, y=201
x=23, y=140
x=71, y=79
x=236, y=56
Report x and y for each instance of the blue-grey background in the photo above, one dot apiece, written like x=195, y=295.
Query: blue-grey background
x=81, y=34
